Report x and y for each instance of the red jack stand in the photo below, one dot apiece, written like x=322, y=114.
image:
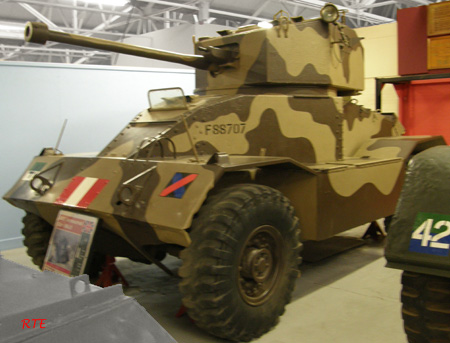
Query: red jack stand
x=183, y=311
x=110, y=274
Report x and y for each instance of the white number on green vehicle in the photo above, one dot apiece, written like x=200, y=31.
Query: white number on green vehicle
x=431, y=234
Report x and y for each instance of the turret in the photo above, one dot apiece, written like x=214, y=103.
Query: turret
x=320, y=56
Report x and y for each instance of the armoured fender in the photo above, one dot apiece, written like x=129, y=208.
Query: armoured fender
x=399, y=146
x=181, y=190
x=419, y=235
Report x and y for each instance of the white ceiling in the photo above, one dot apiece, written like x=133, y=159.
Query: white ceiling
x=134, y=17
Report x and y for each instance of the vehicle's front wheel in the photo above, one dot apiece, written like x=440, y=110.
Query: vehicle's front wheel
x=36, y=232
x=426, y=305
x=240, y=270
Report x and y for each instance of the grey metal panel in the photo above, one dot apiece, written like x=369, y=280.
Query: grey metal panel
x=74, y=310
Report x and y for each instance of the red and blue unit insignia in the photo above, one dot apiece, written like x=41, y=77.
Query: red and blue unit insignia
x=178, y=185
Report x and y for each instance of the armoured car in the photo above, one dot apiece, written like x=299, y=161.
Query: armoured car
x=269, y=152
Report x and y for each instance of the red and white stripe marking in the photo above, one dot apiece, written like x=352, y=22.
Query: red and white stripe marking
x=81, y=191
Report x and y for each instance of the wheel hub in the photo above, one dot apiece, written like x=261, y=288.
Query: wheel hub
x=260, y=264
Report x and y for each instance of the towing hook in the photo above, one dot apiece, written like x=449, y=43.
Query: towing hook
x=40, y=184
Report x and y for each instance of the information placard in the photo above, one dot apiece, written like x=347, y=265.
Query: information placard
x=70, y=243
x=439, y=52
x=438, y=19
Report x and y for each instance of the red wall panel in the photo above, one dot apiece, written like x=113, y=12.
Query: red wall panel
x=424, y=107
x=412, y=40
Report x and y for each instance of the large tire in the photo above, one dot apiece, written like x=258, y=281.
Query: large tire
x=240, y=270
x=37, y=236
x=426, y=308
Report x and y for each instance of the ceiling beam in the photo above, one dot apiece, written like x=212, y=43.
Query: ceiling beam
x=37, y=48
x=350, y=12
x=203, y=11
x=40, y=16
x=169, y=9
x=75, y=17
x=104, y=26
x=422, y=2
x=258, y=11
x=90, y=9
x=174, y=4
x=380, y=4
x=211, y=10
x=238, y=15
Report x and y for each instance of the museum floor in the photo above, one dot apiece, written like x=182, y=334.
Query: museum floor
x=349, y=297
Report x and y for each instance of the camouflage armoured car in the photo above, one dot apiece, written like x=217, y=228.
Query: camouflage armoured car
x=271, y=151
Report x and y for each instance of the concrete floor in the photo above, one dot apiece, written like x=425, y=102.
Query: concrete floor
x=349, y=297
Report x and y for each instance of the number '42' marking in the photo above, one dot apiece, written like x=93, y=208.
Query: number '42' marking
x=423, y=233
x=431, y=234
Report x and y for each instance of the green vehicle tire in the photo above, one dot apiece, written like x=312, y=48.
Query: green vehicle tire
x=36, y=232
x=426, y=304
x=387, y=223
x=240, y=269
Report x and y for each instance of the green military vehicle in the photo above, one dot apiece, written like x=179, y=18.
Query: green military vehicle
x=419, y=244
x=271, y=151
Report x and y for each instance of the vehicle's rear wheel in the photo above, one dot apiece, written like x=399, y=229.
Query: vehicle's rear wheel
x=426, y=308
x=240, y=270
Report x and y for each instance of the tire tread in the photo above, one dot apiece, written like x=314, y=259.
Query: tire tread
x=213, y=237
x=36, y=232
x=426, y=304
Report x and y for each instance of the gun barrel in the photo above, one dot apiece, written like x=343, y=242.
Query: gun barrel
x=39, y=33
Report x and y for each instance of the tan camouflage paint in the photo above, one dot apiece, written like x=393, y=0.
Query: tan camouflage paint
x=307, y=54
x=361, y=130
x=108, y=169
x=307, y=37
x=166, y=212
x=383, y=177
x=292, y=124
x=351, y=58
x=234, y=77
x=122, y=150
x=380, y=153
